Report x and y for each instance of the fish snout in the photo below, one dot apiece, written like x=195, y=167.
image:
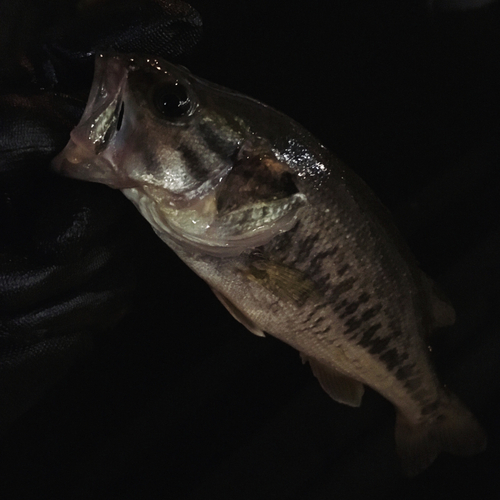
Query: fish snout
x=87, y=155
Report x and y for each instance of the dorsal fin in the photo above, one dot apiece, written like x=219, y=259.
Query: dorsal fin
x=440, y=309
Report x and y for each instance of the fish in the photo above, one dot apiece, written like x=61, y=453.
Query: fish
x=291, y=241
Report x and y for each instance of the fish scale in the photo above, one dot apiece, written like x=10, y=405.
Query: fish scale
x=367, y=318
x=291, y=241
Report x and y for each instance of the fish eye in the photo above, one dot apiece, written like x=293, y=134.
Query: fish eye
x=172, y=101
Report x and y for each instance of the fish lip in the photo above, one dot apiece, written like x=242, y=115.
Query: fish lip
x=111, y=70
x=105, y=99
x=84, y=156
x=77, y=162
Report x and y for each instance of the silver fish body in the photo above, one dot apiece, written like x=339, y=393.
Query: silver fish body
x=291, y=241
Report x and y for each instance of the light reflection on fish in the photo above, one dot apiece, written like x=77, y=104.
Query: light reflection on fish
x=291, y=242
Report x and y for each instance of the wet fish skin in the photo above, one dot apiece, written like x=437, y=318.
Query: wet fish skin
x=290, y=240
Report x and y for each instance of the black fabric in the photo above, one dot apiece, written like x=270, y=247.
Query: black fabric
x=68, y=264
x=178, y=400
x=53, y=42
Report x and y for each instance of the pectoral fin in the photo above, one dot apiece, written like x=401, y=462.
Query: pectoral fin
x=339, y=387
x=238, y=315
x=285, y=282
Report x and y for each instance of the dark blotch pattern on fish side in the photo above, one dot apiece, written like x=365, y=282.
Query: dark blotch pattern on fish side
x=338, y=290
x=379, y=345
x=320, y=325
x=391, y=359
x=318, y=307
x=352, y=307
x=352, y=324
x=315, y=266
x=413, y=384
x=394, y=326
x=368, y=334
x=341, y=305
x=430, y=408
x=322, y=283
x=371, y=312
x=349, y=309
x=194, y=163
x=306, y=247
x=343, y=270
x=368, y=339
x=404, y=372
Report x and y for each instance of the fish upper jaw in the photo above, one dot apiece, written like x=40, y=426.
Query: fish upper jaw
x=91, y=154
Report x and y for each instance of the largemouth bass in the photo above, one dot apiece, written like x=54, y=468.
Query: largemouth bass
x=291, y=242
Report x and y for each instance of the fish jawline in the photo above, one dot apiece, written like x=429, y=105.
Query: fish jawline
x=230, y=246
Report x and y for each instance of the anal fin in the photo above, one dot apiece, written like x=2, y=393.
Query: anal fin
x=339, y=387
x=238, y=315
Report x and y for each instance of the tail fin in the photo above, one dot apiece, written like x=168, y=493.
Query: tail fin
x=454, y=430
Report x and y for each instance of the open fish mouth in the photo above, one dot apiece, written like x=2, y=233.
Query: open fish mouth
x=109, y=81
x=85, y=156
x=79, y=163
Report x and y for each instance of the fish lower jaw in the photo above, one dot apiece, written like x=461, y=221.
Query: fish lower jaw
x=199, y=229
x=77, y=162
x=185, y=235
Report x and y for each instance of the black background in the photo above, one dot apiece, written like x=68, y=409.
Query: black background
x=179, y=400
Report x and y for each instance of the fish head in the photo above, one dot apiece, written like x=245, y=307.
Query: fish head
x=137, y=116
x=206, y=166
